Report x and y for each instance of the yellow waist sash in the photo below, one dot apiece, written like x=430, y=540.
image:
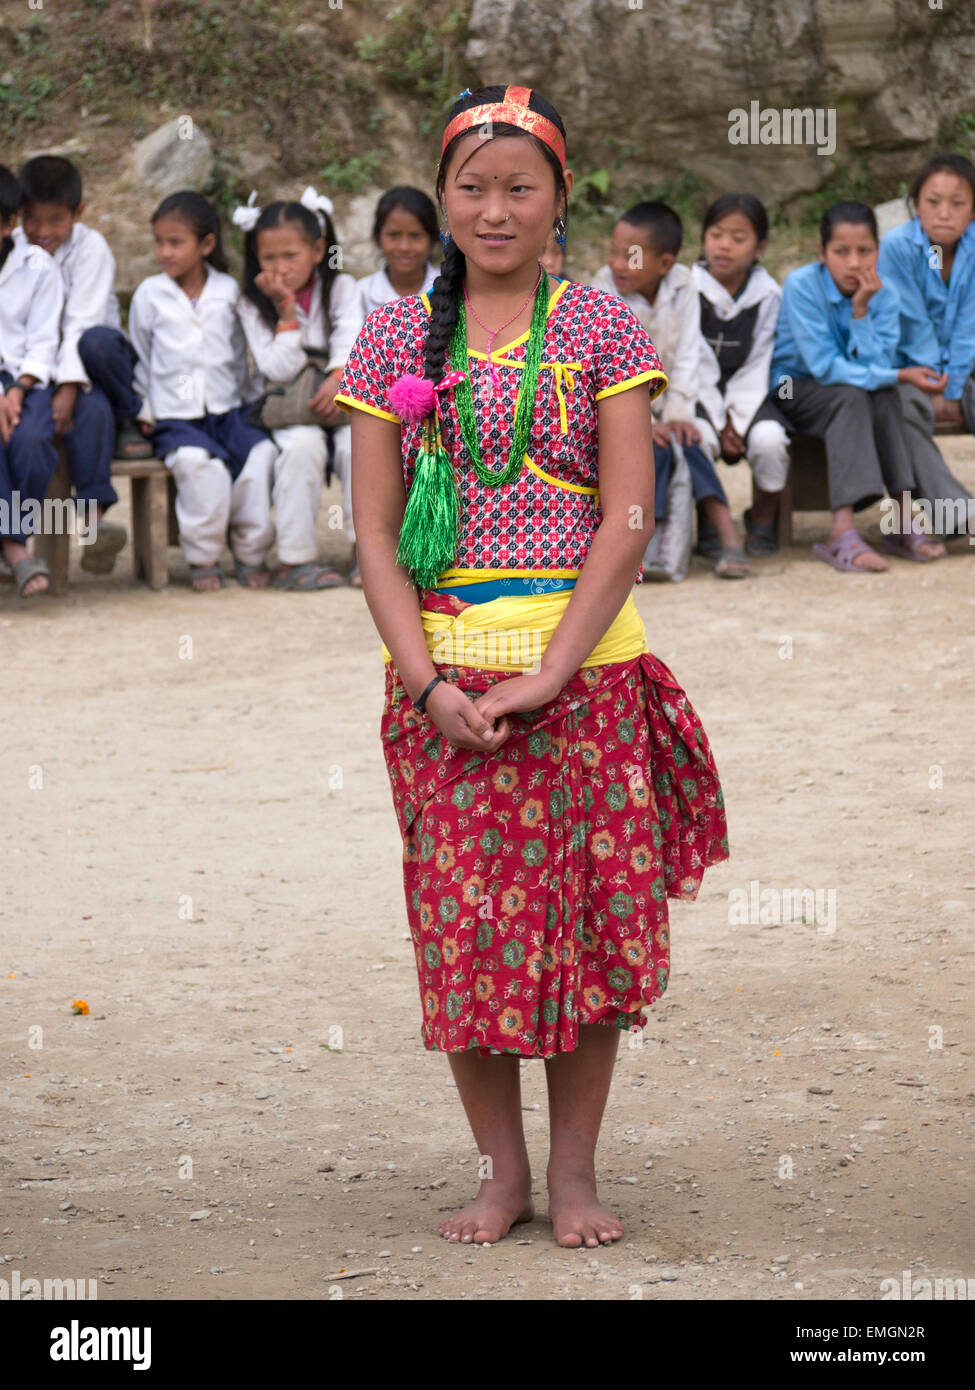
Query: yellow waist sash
x=511, y=633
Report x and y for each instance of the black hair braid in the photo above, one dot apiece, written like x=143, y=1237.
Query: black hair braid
x=444, y=300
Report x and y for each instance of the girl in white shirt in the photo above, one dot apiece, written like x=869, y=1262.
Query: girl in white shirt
x=406, y=232
x=192, y=377
x=739, y=308
x=294, y=298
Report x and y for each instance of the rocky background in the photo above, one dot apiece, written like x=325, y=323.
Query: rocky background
x=350, y=95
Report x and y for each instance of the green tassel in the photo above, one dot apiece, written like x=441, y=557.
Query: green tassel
x=428, y=537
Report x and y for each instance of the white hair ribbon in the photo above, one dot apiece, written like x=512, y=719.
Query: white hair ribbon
x=245, y=215
x=317, y=203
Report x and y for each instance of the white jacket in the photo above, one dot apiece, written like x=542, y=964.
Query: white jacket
x=377, y=289
x=279, y=357
x=31, y=298
x=190, y=361
x=745, y=389
x=87, y=269
x=673, y=323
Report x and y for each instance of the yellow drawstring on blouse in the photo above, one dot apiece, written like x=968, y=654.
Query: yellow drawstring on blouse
x=562, y=372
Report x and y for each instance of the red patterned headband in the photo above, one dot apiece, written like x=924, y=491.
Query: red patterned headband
x=513, y=109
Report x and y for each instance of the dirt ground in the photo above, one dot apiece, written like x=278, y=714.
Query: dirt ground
x=200, y=842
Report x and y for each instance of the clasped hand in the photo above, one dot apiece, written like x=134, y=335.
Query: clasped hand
x=481, y=723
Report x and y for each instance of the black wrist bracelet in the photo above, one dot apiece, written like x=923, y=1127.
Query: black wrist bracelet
x=421, y=703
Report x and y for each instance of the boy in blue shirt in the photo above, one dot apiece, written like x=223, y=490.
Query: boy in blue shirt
x=832, y=377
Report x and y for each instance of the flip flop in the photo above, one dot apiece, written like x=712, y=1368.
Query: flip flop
x=708, y=540
x=242, y=571
x=100, y=556
x=841, y=553
x=307, y=577
x=760, y=538
x=204, y=572
x=131, y=443
x=732, y=563
x=25, y=570
x=908, y=547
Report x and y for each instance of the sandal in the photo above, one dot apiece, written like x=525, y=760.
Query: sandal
x=841, y=553
x=27, y=569
x=204, y=572
x=242, y=571
x=908, y=547
x=732, y=563
x=131, y=443
x=708, y=540
x=760, y=538
x=100, y=556
x=307, y=577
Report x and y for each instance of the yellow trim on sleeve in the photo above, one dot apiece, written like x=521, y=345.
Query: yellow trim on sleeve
x=349, y=402
x=635, y=381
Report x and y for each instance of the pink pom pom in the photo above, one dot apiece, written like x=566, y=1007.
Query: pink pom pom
x=411, y=398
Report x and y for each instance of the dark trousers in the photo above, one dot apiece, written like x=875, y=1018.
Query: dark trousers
x=27, y=460
x=703, y=477
x=90, y=445
x=109, y=359
x=867, y=453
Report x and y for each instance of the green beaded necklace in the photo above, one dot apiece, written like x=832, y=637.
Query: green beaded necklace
x=428, y=536
x=524, y=410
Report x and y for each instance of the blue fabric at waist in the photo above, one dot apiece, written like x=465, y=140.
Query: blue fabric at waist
x=483, y=590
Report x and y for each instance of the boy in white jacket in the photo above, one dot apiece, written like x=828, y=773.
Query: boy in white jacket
x=739, y=304
x=85, y=406
x=642, y=269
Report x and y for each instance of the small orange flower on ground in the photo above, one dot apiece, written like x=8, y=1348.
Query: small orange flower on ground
x=430, y=1004
x=450, y=950
x=483, y=986
x=80, y=1006
x=534, y=965
x=445, y=857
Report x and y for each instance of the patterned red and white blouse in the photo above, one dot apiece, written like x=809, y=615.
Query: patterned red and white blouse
x=545, y=520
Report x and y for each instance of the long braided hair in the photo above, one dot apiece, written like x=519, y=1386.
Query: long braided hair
x=445, y=295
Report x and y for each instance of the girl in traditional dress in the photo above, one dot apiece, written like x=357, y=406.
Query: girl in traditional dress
x=551, y=781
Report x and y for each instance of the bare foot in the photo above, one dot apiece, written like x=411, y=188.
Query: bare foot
x=257, y=579
x=493, y=1212
x=578, y=1216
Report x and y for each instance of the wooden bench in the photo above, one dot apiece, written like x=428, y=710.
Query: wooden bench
x=806, y=487
x=154, y=527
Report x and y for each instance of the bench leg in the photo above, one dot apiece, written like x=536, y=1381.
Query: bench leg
x=55, y=551
x=150, y=530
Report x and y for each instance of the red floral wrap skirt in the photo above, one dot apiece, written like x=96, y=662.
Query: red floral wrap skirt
x=537, y=877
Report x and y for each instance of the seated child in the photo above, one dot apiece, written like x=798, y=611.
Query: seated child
x=642, y=269
x=406, y=232
x=832, y=377
x=294, y=298
x=30, y=312
x=739, y=309
x=85, y=410
x=930, y=263
x=191, y=373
